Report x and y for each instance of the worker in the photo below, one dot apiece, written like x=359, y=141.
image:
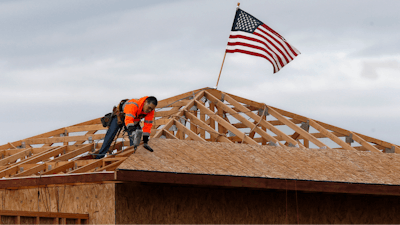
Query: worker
x=127, y=116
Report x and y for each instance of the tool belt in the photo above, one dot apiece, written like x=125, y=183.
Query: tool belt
x=116, y=112
x=106, y=120
x=119, y=113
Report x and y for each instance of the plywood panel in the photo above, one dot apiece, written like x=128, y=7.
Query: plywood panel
x=266, y=161
x=98, y=200
x=151, y=203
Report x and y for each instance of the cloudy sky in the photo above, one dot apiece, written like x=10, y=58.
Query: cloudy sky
x=68, y=61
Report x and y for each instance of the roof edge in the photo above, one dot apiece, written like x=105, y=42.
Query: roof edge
x=57, y=179
x=255, y=182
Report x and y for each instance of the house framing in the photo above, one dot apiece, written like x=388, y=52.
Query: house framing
x=38, y=169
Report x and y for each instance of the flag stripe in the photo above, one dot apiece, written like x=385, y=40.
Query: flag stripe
x=252, y=53
x=282, y=42
x=277, y=43
x=275, y=46
x=259, y=38
x=277, y=53
x=292, y=49
x=257, y=42
x=248, y=47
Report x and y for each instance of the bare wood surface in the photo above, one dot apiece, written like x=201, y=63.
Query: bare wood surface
x=13, y=158
x=113, y=165
x=249, y=124
x=187, y=131
x=167, y=126
x=43, y=214
x=339, y=130
x=364, y=143
x=59, y=169
x=165, y=102
x=166, y=113
x=75, y=153
x=35, y=169
x=227, y=125
x=264, y=123
x=34, y=159
x=296, y=128
x=204, y=126
x=329, y=135
x=90, y=166
x=85, y=128
x=65, y=139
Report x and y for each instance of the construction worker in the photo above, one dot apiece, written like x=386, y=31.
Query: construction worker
x=128, y=115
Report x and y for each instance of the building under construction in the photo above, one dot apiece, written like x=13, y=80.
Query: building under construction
x=218, y=158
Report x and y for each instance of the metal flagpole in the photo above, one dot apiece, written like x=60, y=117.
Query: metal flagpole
x=223, y=61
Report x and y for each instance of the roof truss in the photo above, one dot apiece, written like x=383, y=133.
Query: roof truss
x=201, y=115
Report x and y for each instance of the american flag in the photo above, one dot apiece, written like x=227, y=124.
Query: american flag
x=251, y=36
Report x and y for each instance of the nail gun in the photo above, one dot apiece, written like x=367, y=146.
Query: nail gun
x=136, y=137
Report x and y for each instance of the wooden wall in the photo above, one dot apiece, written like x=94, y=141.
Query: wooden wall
x=96, y=199
x=152, y=203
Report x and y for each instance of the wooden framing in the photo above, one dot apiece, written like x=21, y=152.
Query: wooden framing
x=264, y=123
x=246, y=122
x=57, y=217
x=200, y=115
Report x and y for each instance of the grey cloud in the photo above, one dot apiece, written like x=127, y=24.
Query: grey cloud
x=386, y=46
x=369, y=68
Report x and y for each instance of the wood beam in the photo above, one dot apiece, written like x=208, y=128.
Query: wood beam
x=339, y=130
x=34, y=159
x=296, y=128
x=182, y=97
x=65, y=139
x=187, y=131
x=74, y=153
x=61, y=168
x=33, y=170
x=113, y=165
x=16, y=156
x=178, y=114
x=263, y=122
x=127, y=152
x=166, y=113
x=364, y=143
x=227, y=125
x=47, y=134
x=167, y=126
x=168, y=134
x=249, y=124
x=95, y=127
x=204, y=126
x=159, y=122
x=248, y=102
x=379, y=142
x=272, y=122
x=202, y=131
x=90, y=166
x=43, y=214
x=329, y=135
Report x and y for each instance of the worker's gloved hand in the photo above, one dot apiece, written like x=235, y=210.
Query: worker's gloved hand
x=146, y=146
x=131, y=129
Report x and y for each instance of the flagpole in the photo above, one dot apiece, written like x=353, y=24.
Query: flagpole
x=216, y=86
x=223, y=61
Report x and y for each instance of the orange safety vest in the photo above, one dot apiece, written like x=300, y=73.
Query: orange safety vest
x=133, y=110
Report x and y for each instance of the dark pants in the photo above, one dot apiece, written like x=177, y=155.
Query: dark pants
x=110, y=135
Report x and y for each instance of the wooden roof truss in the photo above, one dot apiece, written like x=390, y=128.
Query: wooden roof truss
x=201, y=115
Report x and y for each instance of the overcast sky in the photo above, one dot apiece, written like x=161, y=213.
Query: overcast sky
x=64, y=62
